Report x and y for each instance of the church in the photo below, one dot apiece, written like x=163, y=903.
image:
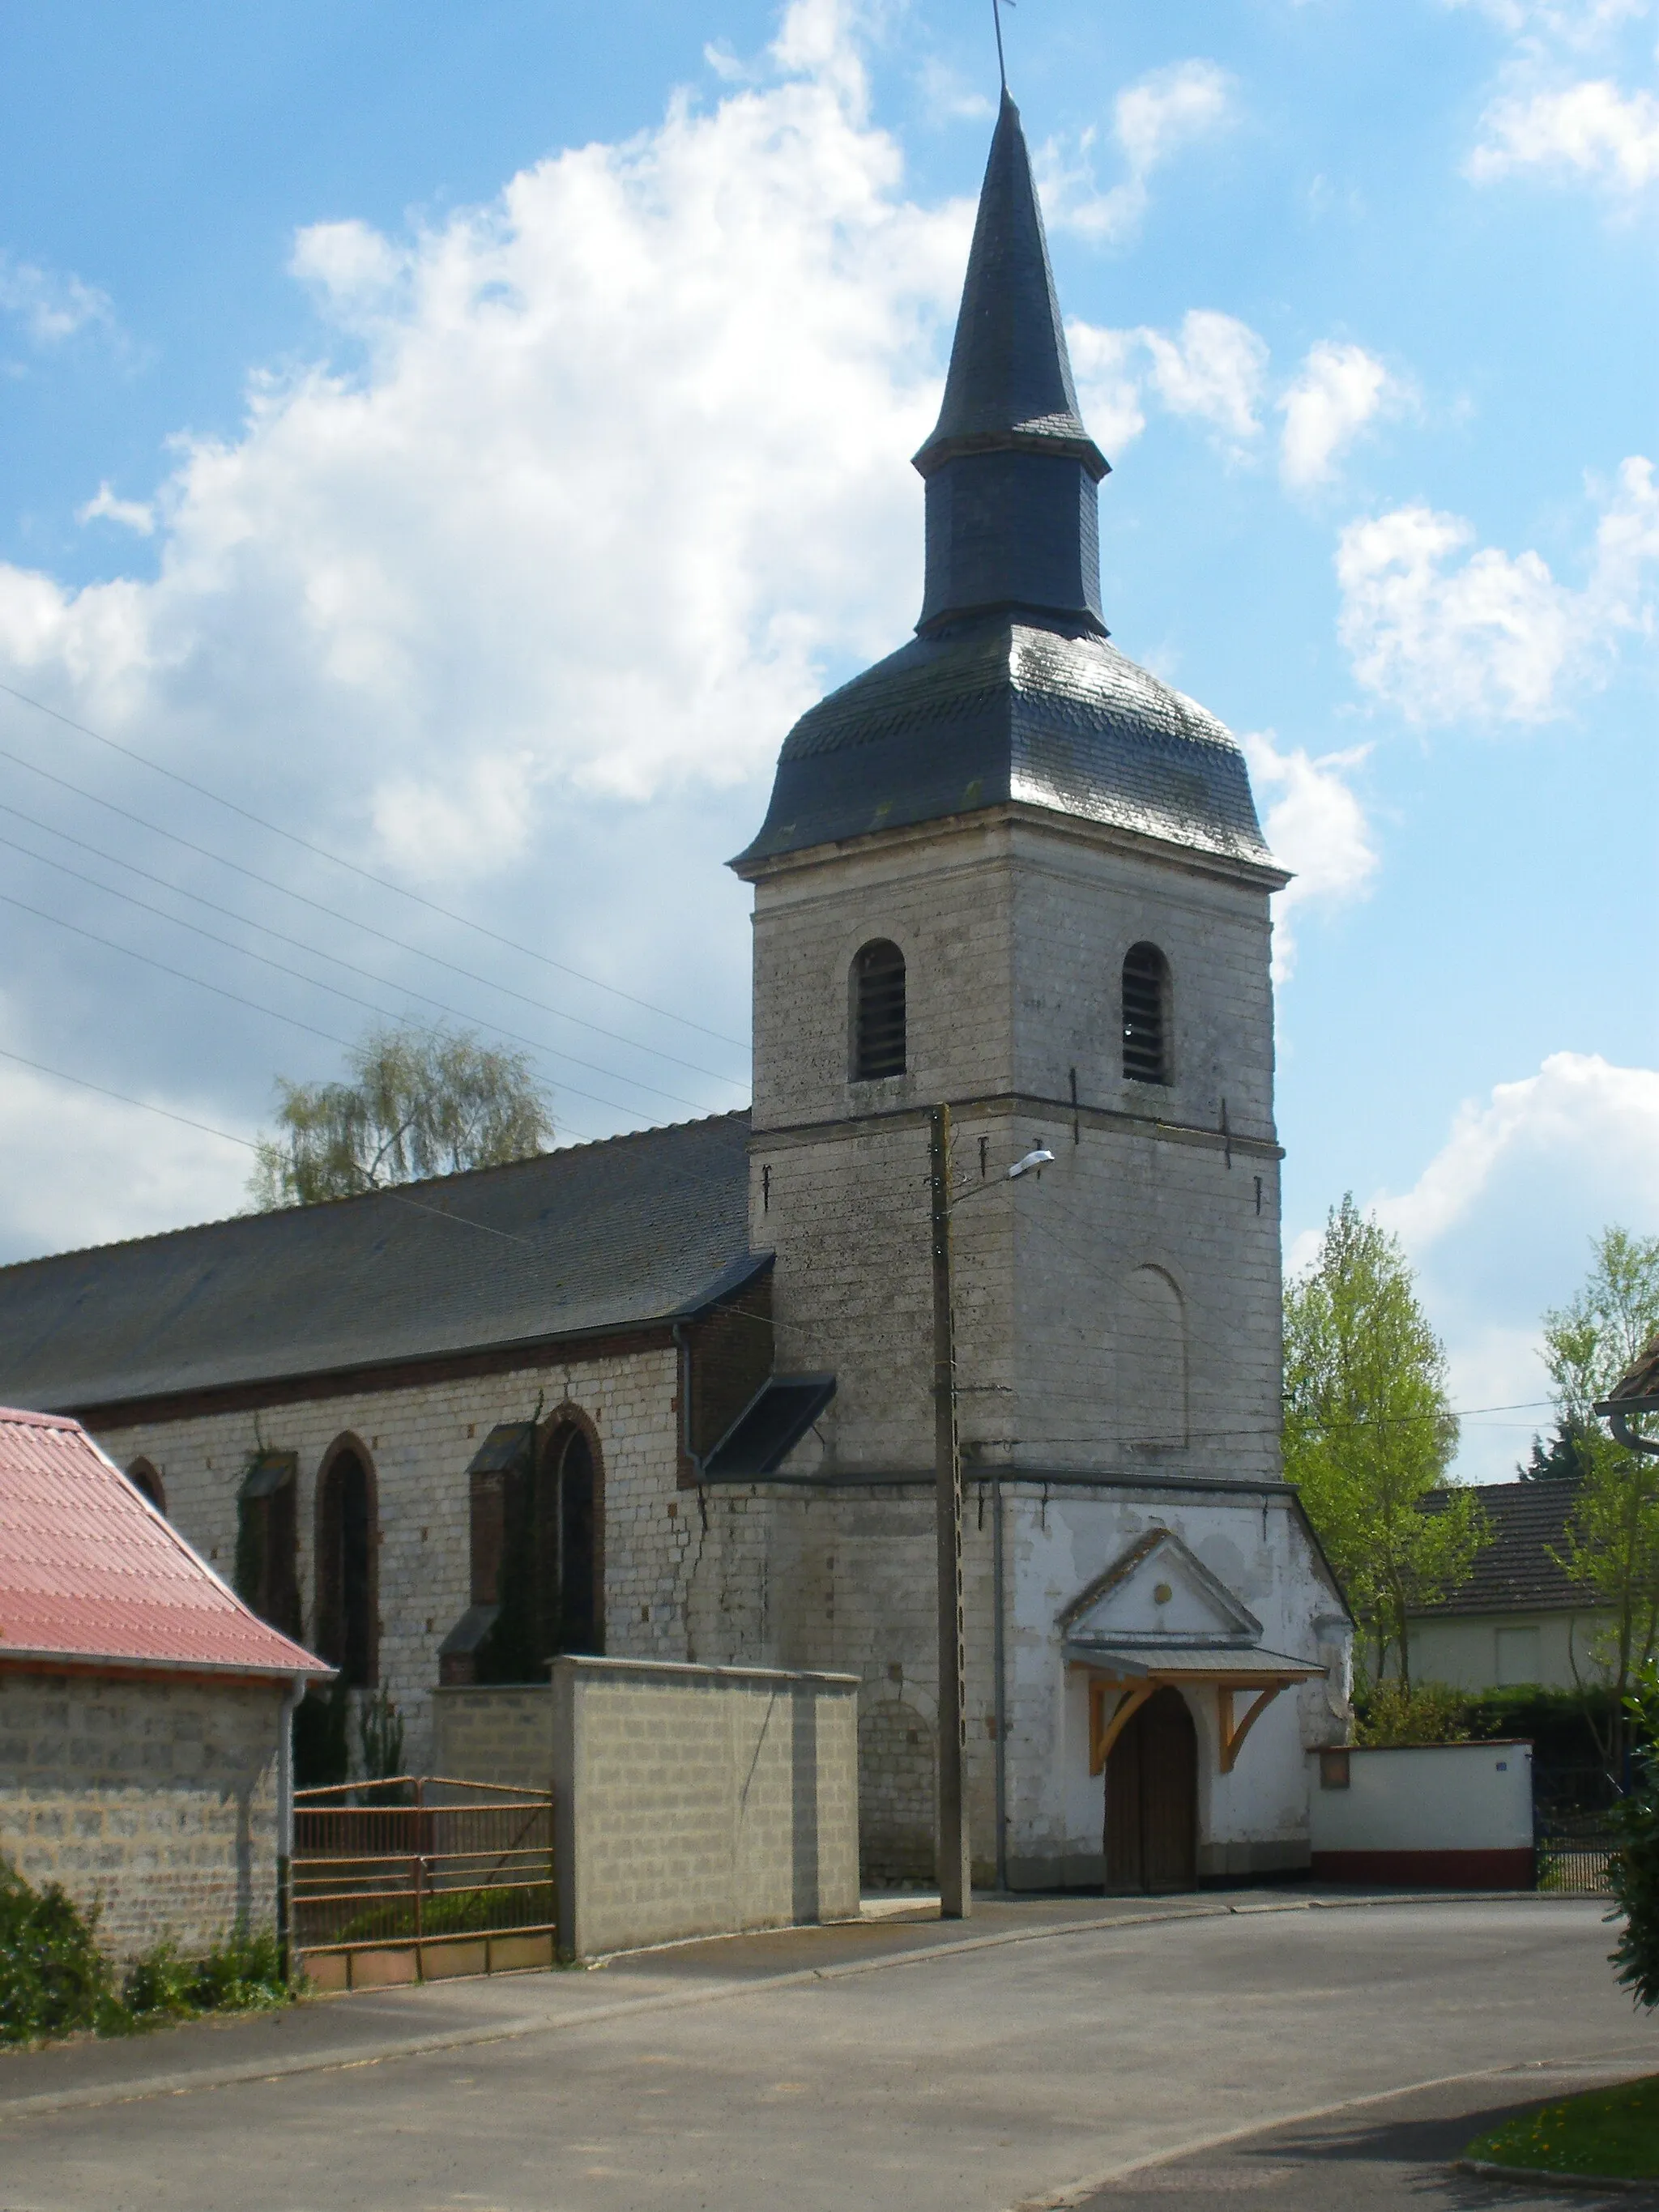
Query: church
x=670, y=1395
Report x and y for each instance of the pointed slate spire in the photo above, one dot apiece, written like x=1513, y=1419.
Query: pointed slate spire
x=1011, y=470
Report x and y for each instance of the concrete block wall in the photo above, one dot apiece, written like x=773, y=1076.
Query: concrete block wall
x=417, y=1438
x=153, y=1799
x=694, y=1800
x=502, y=1734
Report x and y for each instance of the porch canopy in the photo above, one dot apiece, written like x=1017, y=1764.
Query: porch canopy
x=1123, y=1675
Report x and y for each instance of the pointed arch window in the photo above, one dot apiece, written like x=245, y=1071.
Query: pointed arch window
x=878, y=1015
x=1146, y=1015
x=346, y=1596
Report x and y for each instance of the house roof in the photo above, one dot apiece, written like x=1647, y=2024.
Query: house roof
x=1636, y=1391
x=592, y=1240
x=90, y=1571
x=1515, y=1572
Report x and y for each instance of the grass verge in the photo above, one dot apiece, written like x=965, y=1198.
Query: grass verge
x=1610, y=2132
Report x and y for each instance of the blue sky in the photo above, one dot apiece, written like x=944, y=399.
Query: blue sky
x=466, y=439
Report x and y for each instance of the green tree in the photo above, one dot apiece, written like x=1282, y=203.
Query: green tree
x=1369, y=1430
x=1611, y=1547
x=418, y=1102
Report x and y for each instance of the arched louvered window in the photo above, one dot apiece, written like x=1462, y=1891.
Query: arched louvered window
x=143, y=1478
x=1146, y=1023
x=877, y=1012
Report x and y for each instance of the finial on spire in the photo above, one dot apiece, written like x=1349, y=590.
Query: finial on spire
x=997, y=7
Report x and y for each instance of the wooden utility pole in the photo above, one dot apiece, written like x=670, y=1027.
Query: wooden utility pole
x=955, y=1900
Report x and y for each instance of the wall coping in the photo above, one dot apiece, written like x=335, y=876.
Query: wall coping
x=681, y=1670
x=1474, y=1743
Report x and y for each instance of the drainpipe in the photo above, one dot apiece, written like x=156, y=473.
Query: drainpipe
x=291, y=1697
x=998, y=1612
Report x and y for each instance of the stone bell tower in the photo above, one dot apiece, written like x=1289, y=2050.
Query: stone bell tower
x=1008, y=869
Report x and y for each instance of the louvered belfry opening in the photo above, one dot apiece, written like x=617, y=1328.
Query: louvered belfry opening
x=879, y=1011
x=1145, y=1015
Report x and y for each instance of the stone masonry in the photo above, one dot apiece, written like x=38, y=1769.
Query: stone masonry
x=154, y=1799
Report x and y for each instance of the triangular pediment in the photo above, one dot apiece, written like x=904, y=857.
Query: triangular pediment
x=1159, y=1594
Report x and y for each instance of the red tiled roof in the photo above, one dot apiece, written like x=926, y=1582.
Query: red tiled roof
x=90, y=1570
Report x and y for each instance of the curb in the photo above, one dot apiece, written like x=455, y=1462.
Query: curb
x=1609, y=2185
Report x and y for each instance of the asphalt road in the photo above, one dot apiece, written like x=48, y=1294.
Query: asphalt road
x=1290, y=2058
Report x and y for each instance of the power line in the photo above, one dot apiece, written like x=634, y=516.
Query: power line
x=183, y=975
x=147, y=1106
x=382, y=883
x=269, y=883
x=316, y=983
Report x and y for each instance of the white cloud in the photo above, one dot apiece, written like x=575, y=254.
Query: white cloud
x=1152, y=119
x=134, y=1171
x=1499, y=1222
x=1491, y=636
x=1214, y=371
x=1110, y=380
x=130, y=513
x=1338, y=390
x=947, y=97
x=1211, y=370
x=1316, y=825
x=626, y=463
x=1570, y=22
x=1593, y=127
x=52, y=307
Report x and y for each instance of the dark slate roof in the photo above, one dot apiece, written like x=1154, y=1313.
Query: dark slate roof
x=1515, y=1572
x=1012, y=689
x=593, y=1239
x=1010, y=371
x=1638, y=1390
x=1000, y=709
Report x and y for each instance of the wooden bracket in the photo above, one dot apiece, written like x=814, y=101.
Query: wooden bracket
x=1232, y=1737
x=1104, y=1729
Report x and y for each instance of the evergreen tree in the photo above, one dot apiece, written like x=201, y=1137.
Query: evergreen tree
x=1369, y=1430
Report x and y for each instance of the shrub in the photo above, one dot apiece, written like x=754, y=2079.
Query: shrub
x=53, y=1978
x=241, y=1975
x=54, y=1981
x=1390, y=1714
x=1634, y=1871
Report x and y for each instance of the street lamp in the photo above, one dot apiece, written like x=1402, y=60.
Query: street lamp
x=956, y=1895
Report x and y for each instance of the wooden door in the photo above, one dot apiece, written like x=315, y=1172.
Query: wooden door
x=1152, y=1799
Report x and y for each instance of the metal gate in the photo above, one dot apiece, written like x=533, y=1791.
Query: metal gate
x=420, y=1878
x=1573, y=1835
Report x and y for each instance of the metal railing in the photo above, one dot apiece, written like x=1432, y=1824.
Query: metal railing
x=416, y=1860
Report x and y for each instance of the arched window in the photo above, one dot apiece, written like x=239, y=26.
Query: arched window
x=143, y=1478
x=569, y=1543
x=346, y=1625
x=1152, y=1361
x=877, y=1012
x=1146, y=1023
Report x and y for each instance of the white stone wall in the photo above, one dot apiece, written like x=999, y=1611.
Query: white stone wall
x=1014, y=937
x=418, y=1439
x=1120, y=1317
